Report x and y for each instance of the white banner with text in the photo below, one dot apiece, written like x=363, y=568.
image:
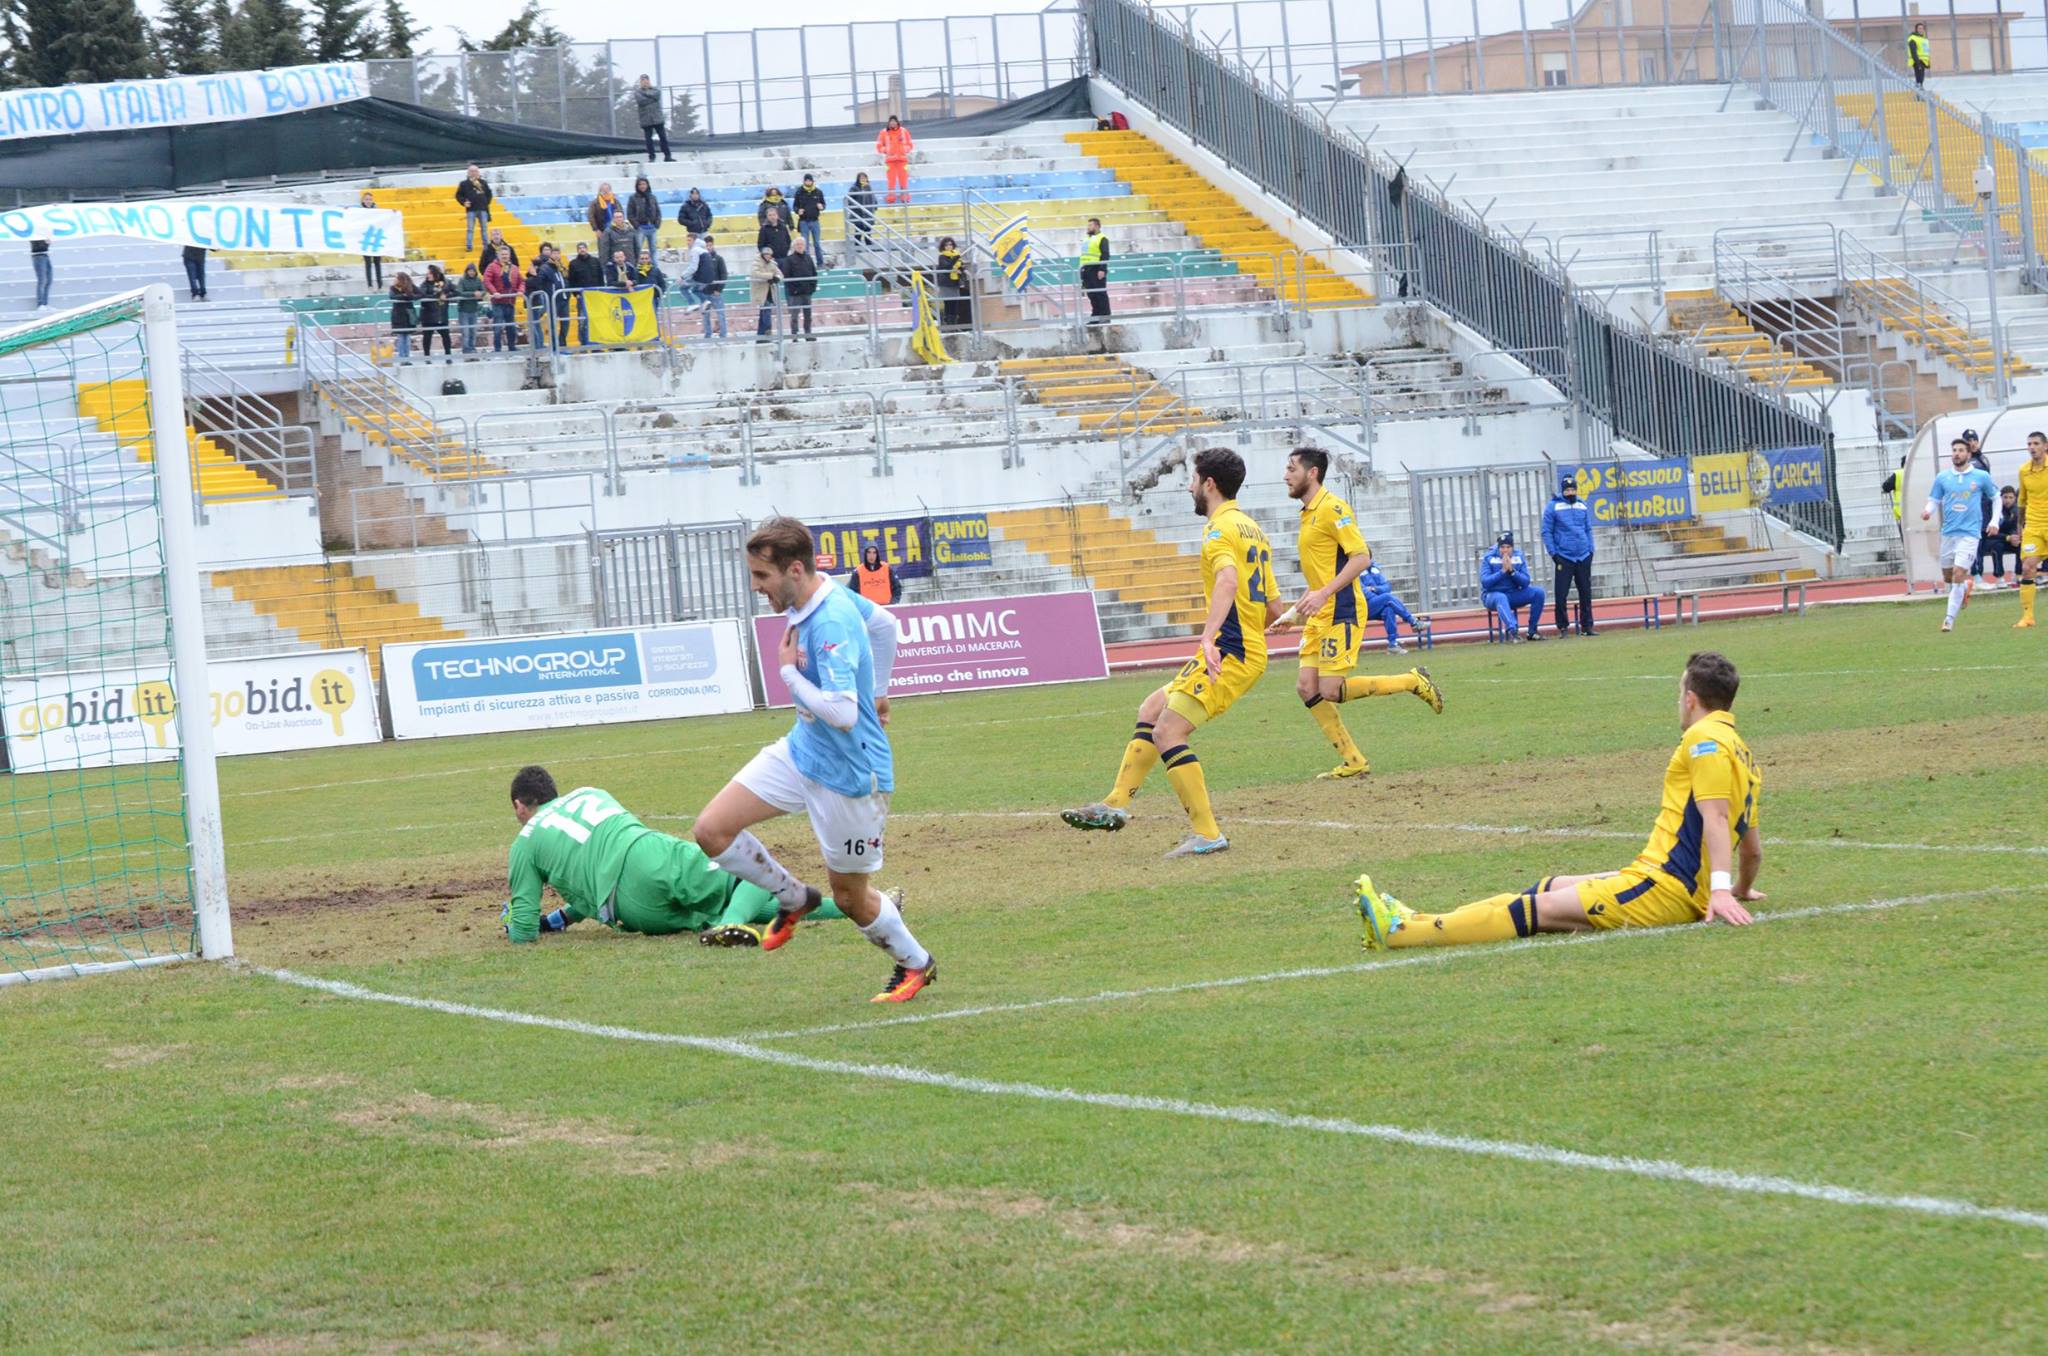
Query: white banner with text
x=323, y=699
x=179, y=100
x=234, y=225
x=574, y=678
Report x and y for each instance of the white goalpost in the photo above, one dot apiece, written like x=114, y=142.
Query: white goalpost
x=111, y=854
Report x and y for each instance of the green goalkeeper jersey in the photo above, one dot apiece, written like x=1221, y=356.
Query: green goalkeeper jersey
x=576, y=843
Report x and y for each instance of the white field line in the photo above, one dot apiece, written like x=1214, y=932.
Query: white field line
x=1436, y=955
x=1342, y=825
x=1747, y=677
x=1515, y=830
x=1719, y=1179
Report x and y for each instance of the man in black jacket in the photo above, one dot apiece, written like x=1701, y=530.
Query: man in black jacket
x=585, y=272
x=774, y=236
x=475, y=196
x=810, y=206
x=495, y=247
x=708, y=282
x=799, y=284
x=694, y=215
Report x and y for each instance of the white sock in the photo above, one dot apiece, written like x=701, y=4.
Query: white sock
x=748, y=860
x=889, y=932
x=1955, y=599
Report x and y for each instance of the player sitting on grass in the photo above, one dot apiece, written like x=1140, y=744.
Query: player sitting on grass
x=607, y=865
x=1708, y=815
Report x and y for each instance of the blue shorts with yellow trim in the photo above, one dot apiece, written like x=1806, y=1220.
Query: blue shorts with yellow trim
x=1331, y=647
x=1635, y=898
x=1196, y=697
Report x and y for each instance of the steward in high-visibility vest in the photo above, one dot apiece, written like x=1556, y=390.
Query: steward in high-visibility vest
x=1919, y=52
x=1095, y=272
x=875, y=580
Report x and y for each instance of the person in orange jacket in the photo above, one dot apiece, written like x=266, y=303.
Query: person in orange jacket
x=893, y=144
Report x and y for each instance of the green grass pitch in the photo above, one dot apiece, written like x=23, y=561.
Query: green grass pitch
x=205, y=1158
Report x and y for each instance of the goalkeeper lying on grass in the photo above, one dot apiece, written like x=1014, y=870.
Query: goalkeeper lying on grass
x=607, y=865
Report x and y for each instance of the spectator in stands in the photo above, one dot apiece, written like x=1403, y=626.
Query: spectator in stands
x=469, y=295
x=1568, y=537
x=694, y=215
x=434, y=294
x=709, y=284
x=603, y=210
x=618, y=270
x=2001, y=539
x=404, y=319
x=503, y=284
x=195, y=271
x=39, y=259
x=860, y=210
x=689, y=270
x=810, y=211
x=772, y=198
x=774, y=235
x=649, y=274
x=1095, y=272
x=1504, y=587
x=1383, y=607
x=955, y=288
x=586, y=271
x=620, y=238
x=1919, y=53
x=495, y=247
x=799, y=284
x=875, y=579
x=474, y=196
x=893, y=144
x=763, y=276
x=373, y=264
x=653, y=110
x=543, y=290
x=643, y=214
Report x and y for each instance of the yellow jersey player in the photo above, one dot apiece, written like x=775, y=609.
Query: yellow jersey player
x=1701, y=861
x=1237, y=576
x=2033, y=507
x=1333, y=555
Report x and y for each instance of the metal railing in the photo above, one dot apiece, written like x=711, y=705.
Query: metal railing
x=1621, y=377
x=225, y=410
x=818, y=75
x=650, y=576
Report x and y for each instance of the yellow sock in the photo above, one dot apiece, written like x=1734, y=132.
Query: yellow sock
x=1334, y=731
x=1185, y=772
x=1139, y=756
x=1489, y=920
x=2027, y=599
x=1354, y=688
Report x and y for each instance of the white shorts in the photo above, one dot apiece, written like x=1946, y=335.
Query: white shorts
x=1958, y=552
x=849, y=828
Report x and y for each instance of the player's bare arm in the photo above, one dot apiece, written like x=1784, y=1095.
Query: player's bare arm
x=1749, y=861
x=1716, y=834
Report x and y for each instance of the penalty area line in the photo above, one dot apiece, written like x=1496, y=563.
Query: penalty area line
x=1656, y=1169
x=1435, y=955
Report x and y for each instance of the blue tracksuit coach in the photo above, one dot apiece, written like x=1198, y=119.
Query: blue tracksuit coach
x=1568, y=538
x=1504, y=586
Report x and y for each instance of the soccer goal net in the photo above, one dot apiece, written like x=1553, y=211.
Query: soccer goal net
x=110, y=846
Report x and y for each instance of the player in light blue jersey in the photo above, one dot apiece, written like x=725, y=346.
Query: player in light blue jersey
x=835, y=765
x=1966, y=498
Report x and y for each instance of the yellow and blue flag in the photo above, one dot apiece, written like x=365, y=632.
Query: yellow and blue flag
x=623, y=317
x=1012, y=245
x=925, y=341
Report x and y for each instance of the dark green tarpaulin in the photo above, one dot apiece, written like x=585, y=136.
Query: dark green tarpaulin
x=382, y=134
